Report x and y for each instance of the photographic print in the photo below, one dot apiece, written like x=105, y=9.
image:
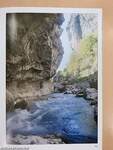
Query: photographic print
x=52, y=87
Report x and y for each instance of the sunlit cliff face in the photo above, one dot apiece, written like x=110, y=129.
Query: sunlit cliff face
x=65, y=43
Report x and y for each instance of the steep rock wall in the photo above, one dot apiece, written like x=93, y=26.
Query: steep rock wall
x=34, y=52
x=79, y=26
x=83, y=35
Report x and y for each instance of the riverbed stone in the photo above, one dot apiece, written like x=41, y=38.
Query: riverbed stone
x=59, y=87
x=21, y=103
x=25, y=140
x=91, y=94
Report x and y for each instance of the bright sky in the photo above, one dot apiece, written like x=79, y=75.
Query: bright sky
x=65, y=43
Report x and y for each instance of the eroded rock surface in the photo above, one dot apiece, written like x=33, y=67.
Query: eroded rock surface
x=34, y=52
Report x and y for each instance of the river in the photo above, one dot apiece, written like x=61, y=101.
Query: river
x=61, y=114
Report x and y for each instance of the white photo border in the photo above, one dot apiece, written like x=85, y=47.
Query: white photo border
x=3, y=12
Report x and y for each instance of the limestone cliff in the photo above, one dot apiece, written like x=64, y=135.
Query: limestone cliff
x=82, y=31
x=79, y=26
x=34, y=52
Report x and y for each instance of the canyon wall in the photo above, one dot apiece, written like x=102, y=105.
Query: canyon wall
x=83, y=35
x=79, y=26
x=33, y=54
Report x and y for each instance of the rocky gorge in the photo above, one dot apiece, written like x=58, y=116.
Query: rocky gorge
x=44, y=107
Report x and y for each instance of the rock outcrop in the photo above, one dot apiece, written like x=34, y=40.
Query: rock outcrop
x=79, y=26
x=34, y=52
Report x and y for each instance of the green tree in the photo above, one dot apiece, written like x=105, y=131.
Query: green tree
x=83, y=60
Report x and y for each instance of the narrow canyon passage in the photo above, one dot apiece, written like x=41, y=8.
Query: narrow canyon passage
x=64, y=115
x=52, y=91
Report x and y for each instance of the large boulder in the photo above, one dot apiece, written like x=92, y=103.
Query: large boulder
x=20, y=103
x=91, y=94
x=59, y=87
x=81, y=93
